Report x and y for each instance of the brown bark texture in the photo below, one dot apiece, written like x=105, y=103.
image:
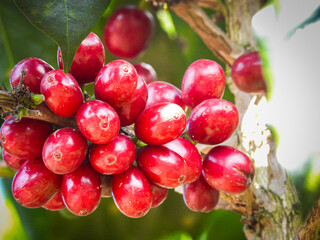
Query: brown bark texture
x=270, y=207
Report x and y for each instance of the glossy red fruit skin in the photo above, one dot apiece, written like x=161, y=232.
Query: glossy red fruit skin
x=146, y=71
x=199, y=196
x=159, y=91
x=116, y=83
x=88, y=61
x=81, y=190
x=162, y=166
x=212, y=121
x=129, y=111
x=113, y=157
x=62, y=93
x=55, y=203
x=159, y=194
x=191, y=156
x=12, y=161
x=34, y=185
x=131, y=192
x=227, y=169
x=128, y=32
x=24, y=139
x=204, y=79
x=247, y=73
x=35, y=69
x=64, y=150
x=98, y=121
x=160, y=123
x=106, y=190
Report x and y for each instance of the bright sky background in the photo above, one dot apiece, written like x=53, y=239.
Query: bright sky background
x=295, y=105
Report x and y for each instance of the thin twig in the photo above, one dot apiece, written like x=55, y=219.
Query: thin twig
x=215, y=39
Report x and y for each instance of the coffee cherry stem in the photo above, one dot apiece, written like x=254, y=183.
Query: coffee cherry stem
x=186, y=136
x=128, y=131
x=37, y=99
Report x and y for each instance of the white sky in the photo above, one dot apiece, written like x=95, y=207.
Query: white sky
x=295, y=105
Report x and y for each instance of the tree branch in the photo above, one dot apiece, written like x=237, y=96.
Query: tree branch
x=215, y=39
x=212, y=4
x=270, y=207
x=9, y=102
x=311, y=227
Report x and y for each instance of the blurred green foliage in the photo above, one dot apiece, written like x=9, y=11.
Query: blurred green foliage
x=170, y=56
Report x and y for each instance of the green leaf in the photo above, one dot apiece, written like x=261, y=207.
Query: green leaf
x=67, y=22
x=315, y=17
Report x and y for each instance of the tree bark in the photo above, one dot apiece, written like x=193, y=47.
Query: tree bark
x=270, y=207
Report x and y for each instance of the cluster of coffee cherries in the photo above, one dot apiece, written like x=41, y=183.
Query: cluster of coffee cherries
x=132, y=142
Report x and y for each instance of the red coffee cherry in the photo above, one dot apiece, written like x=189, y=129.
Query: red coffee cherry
x=204, y=79
x=213, y=121
x=129, y=111
x=227, y=169
x=116, y=83
x=146, y=71
x=128, y=32
x=35, y=69
x=34, y=185
x=199, y=196
x=62, y=93
x=162, y=166
x=191, y=156
x=159, y=194
x=81, y=190
x=64, y=150
x=247, y=73
x=159, y=92
x=24, y=139
x=88, y=61
x=98, y=121
x=55, y=203
x=113, y=157
x=11, y=161
x=160, y=123
x=132, y=193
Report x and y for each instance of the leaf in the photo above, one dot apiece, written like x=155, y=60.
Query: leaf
x=67, y=22
x=19, y=40
x=315, y=16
